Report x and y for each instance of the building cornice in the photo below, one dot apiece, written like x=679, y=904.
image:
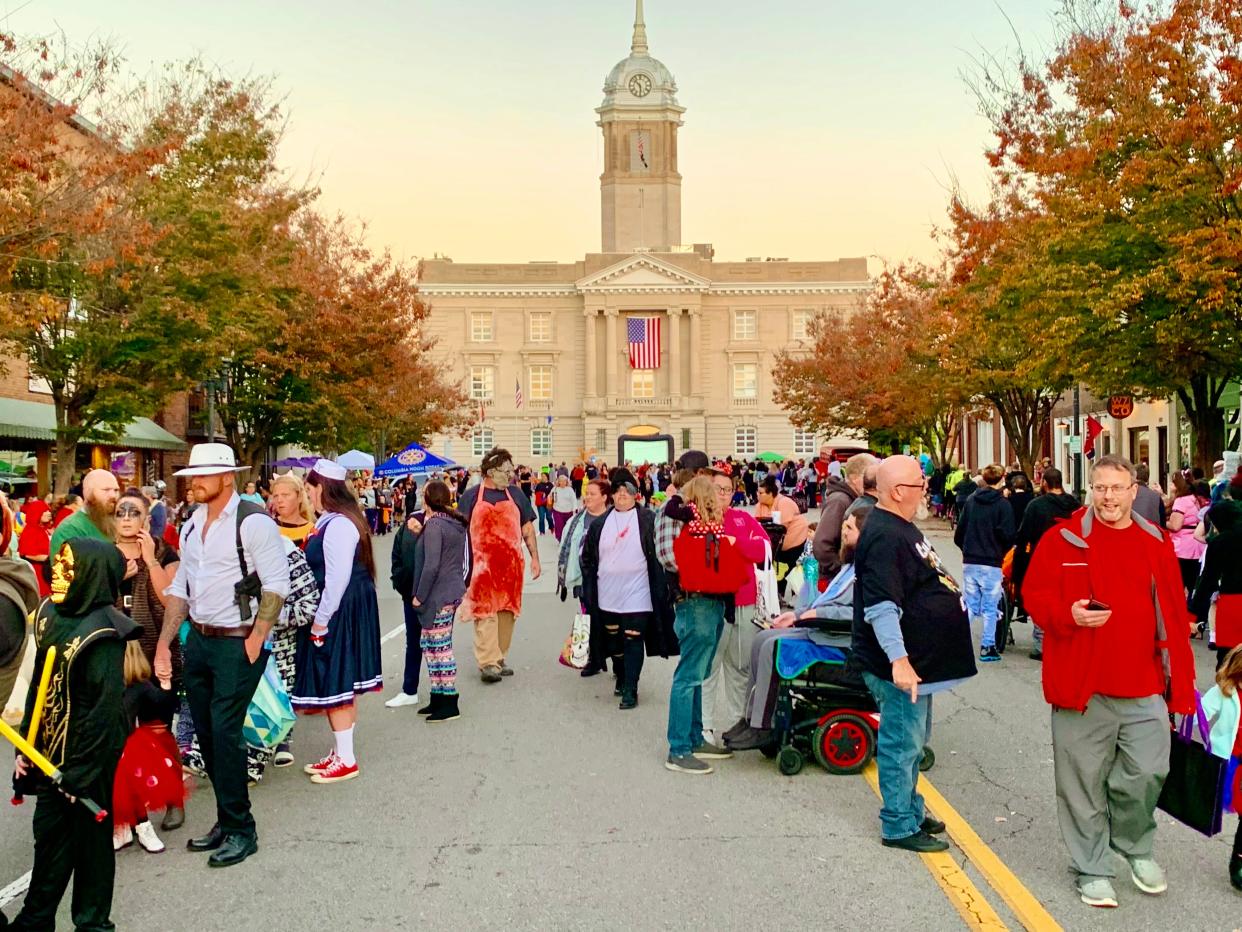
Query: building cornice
x=779, y=288
x=596, y=286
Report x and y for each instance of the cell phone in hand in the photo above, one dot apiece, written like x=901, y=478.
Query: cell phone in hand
x=1095, y=605
x=760, y=623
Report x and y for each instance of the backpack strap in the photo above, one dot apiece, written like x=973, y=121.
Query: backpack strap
x=244, y=510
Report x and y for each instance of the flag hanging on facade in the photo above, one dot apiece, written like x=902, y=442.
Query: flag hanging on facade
x=517, y=393
x=1094, y=429
x=482, y=412
x=643, y=336
x=549, y=420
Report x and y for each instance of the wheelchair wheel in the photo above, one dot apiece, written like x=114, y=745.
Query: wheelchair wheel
x=789, y=761
x=843, y=743
x=928, y=761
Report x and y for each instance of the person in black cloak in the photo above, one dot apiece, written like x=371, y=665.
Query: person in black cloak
x=82, y=732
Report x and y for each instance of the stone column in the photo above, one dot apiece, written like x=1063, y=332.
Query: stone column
x=592, y=381
x=674, y=354
x=696, y=353
x=610, y=347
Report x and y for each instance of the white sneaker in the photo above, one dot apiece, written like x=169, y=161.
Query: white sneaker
x=122, y=837
x=150, y=841
x=1097, y=891
x=401, y=699
x=1148, y=876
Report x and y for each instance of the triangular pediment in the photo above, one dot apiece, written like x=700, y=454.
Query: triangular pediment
x=643, y=273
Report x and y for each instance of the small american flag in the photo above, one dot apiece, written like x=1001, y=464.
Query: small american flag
x=517, y=393
x=643, y=336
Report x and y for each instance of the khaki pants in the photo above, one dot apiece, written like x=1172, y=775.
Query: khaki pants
x=492, y=636
x=1110, y=764
x=724, y=690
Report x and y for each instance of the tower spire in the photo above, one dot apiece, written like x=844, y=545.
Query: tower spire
x=639, y=45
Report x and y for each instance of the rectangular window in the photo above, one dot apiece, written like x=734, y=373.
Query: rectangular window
x=802, y=317
x=541, y=327
x=745, y=380
x=541, y=441
x=481, y=441
x=481, y=327
x=642, y=383
x=685, y=438
x=803, y=443
x=745, y=325
x=540, y=383
x=745, y=441
x=482, y=383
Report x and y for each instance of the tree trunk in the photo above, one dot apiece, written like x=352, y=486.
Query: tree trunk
x=1023, y=414
x=1202, y=402
x=66, y=459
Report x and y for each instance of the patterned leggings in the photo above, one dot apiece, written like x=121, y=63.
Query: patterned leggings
x=438, y=659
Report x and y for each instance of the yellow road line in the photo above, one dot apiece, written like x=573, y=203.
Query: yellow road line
x=961, y=891
x=1017, y=897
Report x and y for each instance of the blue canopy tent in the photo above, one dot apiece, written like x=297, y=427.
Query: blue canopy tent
x=414, y=460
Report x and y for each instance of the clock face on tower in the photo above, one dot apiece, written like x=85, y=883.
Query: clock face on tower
x=640, y=85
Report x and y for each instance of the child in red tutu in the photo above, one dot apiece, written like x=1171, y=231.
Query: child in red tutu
x=148, y=776
x=1223, y=705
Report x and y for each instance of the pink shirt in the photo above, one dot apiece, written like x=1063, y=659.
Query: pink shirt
x=1184, y=543
x=751, y=538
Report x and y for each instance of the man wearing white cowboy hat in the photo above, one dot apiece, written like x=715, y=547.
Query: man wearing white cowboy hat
x=231, y=582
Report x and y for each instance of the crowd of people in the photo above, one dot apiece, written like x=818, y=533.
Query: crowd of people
x=170, y=615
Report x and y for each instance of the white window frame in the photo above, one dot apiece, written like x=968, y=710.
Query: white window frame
x=482, y=439
x=541, y=441
x=544, y=333
x=805, y=443
x=486, y=377
x=482, y=327
x=741, y=390
x=800, y=321
x=538, y=391
x=748, y=332
x=647, y=387
x=745, y=441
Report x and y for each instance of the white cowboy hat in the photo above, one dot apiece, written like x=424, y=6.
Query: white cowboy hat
x=210, y=459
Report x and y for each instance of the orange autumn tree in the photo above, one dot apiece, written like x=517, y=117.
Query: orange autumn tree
x=876, y=370
x=1129, y=141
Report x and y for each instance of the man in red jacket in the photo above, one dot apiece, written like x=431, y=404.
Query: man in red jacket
x=1106, y=589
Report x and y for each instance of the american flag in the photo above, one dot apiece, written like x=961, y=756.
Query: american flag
x=643, y=336
x=517, y=393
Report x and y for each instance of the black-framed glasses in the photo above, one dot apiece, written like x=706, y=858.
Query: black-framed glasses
x=912, y=485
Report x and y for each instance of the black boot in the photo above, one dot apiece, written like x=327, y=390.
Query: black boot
x=447, y=710
x=618, y=671
x=629, y=697
x=635, y=653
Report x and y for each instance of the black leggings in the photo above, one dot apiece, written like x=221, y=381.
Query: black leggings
x=624, y=635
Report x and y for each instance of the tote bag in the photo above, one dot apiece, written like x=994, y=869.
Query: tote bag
x=270, y=718
x=577, y=650
x=1194, y=791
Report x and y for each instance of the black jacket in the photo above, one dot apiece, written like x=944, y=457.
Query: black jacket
x=1038, y=519
x=660, y=639
x=1222, y=565
x=405, y=558
x=985, y=529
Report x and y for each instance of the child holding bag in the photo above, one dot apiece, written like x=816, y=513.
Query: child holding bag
x=1223, y=708
x=148, y=776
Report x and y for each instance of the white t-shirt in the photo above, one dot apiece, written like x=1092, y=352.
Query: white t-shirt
x=564, y=499
x=623, y=585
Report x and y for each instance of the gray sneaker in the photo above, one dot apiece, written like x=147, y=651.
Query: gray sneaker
x=687, y=763
x=490, y=674
x=1097, y=891
x=1147, y=876
x=709, y=751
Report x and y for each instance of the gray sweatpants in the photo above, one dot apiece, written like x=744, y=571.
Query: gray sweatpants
x=725, y=689
x=1110, y=763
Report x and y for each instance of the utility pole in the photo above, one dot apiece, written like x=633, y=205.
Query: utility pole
x=211, y=410
x=1077, y=445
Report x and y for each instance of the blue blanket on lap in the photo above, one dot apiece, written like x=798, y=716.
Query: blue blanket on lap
x=795, y=656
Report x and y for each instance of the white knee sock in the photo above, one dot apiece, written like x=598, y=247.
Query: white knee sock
x=345, y=746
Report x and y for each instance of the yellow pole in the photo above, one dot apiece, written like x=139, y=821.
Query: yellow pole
x=41, y=695
x=27, y=750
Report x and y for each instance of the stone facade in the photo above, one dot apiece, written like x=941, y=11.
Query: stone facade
x=556, y=332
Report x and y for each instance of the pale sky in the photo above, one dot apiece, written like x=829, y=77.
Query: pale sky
x=815, y=129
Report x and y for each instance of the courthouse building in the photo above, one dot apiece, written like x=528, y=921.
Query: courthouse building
x=647, y=337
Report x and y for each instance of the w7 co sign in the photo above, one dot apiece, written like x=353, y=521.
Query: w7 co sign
x=1120, y=406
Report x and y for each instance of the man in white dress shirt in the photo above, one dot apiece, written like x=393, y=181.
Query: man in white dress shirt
x=231, y=609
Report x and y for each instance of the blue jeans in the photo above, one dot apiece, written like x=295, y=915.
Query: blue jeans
x=698, y=625
x=545, y=518
x=413, y=648
x=904, y=728
x=983, y=590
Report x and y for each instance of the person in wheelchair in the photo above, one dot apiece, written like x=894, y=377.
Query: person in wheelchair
x=832, y=611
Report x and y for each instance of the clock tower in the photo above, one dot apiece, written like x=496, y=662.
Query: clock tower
x=640, y=189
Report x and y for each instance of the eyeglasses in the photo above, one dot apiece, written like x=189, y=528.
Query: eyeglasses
x=1103, y=491
x=912, y=485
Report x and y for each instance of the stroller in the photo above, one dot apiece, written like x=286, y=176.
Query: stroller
x=823, y=708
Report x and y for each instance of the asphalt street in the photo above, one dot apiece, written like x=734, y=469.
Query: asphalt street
x=546, y=807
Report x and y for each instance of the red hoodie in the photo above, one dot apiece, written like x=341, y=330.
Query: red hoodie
x=1144, y=646
x=36, y=541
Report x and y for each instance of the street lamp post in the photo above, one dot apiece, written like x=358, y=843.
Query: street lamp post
x=1078, y=445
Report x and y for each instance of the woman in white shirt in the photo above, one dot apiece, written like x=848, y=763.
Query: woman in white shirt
x=624, y=586
x=564, y=504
